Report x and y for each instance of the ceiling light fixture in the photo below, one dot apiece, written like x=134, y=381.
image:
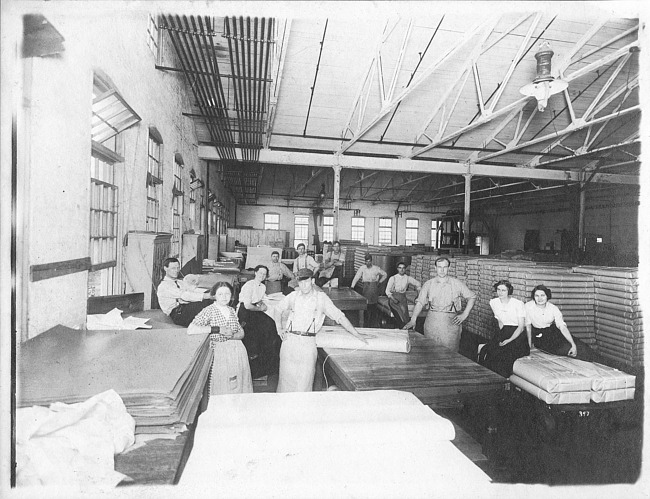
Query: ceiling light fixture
x=544, y=85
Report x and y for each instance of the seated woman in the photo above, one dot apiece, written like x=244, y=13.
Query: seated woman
x=547, y=330
x=261, y=340
x=509, y=344
x=230, y=371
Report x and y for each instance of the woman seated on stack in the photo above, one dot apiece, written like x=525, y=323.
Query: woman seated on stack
x=261, y=340
x=548, y=331
x=230, y=371
x=509, y=344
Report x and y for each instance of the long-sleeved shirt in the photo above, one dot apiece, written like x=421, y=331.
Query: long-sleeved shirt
x=372, y=274
x=444, y=295
x=171, y=294
x=252, y=292
x=277, y=270
x=308, y=311
x=304, y=262
x=400, y=283
x=542, y=317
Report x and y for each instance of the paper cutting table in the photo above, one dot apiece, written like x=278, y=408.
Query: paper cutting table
x=348, y=299
x=437, y=376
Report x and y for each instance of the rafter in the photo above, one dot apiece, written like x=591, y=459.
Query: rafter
x=284, y=30
x=413, y=86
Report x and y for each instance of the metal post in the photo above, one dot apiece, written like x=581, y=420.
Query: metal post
x=581, y=218
x=468, y=192
x=337, y=192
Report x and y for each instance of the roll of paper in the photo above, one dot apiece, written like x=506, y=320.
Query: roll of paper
x=385, y=340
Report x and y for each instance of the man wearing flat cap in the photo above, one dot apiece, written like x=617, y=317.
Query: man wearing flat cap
x=303, y=313
x=371, y=277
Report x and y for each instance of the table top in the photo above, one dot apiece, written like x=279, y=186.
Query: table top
x=346, y=298
x=434, y=374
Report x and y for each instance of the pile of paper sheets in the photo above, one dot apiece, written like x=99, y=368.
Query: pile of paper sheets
x=159, y=373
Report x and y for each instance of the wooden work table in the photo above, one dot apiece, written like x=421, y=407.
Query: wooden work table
x=439, y=377
x=348, y=299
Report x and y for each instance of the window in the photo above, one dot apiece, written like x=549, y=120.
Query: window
x=359, y=229
x=385, y=231
x=434, y=233
x=154, y=181
x=301, y=231
x=177, y=206
x=412, y=231
x=152, y=36
x=271, y=221
x=328, y=228
x=103, y=222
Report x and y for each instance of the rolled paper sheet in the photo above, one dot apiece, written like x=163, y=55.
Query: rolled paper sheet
x=580, y=397
x=629, y=364
x=632, y=288
x=619, y=301
x=618, y=315
x=617, y=334
x=627, y=312
x=615, y=280
x=625, y=351
x=612, y=395
x=385, y=340
x=617, y=294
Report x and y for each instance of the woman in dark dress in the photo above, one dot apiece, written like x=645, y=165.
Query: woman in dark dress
x=510, y=343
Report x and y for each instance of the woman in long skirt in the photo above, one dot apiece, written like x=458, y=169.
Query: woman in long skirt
x=230, y=371
x=509, y=344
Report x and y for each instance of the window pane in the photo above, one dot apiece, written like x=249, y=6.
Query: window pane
x=301, y=231
x=385, y=231
x=271, y=221
x=359, y=229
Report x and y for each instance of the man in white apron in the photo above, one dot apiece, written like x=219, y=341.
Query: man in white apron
x=444, y=319
x=303, y=313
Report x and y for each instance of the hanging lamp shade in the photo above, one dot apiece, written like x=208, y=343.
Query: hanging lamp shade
x=545, y=84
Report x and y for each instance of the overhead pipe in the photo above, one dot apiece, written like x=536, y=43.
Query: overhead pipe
x=212, y=86
x=185, y=62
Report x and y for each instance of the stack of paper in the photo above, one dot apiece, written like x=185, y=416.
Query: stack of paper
x=159, y=373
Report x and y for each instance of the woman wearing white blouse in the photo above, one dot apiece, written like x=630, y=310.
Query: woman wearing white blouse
x=547, y=330
x=509, y=344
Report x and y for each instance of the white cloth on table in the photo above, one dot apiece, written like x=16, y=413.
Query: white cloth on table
x=114, y=320
x=73, y=445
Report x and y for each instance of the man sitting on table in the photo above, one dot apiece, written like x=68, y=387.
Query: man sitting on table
x=332, y=265
x=303, y=313
x=396, y=292
x=277, y=270
x=175, y=298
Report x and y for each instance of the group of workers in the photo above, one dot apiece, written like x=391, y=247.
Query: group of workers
x=248, y=343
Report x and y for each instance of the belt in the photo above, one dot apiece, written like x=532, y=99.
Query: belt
x=301, y=333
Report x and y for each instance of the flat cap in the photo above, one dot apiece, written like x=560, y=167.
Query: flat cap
x=304, y=274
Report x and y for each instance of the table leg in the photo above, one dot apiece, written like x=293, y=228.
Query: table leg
x=361, y=318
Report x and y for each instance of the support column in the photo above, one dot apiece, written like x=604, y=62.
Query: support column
x=468, y=192
x=581, y=218
x=337, y=193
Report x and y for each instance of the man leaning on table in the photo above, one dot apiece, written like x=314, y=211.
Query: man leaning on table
x=178, y=300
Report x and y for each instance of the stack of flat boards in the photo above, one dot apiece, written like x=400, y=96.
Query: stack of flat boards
x=618, y=318
x=564, y=380
x=159, y=373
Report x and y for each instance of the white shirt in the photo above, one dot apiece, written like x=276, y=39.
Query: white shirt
x=171, y=293
x=508, y=313
x=308, y=311
x=304, y=262
x=400, y=283
x=252, y=292
x=542, y=317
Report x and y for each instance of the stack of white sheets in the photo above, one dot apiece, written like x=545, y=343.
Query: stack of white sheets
x=564, y=380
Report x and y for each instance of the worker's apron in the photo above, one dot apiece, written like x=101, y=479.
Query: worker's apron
x=273, y=287
x=298, y=353
x=371, y=292
x=439, y=327
x=297, y=363
x=399, y=306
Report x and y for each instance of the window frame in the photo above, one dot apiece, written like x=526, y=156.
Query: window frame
x=304, y=229
x=409, y=240
x=358, y=229
x=328, y=228
x=385, y=231
x=271, y=225
x=154, y=180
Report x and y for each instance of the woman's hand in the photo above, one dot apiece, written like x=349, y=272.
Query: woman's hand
x=505, y=342
x=226, y=331
x=282, y=333
x=262, y=306
x=573, y=351
x=458, y=320
x=409, y=325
